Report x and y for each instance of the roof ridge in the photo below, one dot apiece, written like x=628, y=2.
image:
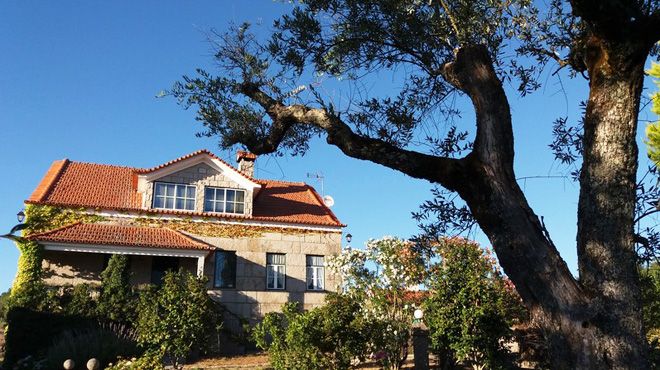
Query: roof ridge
x=105, y=165
x=194, y=154
x=283, y=181
x=57, y=229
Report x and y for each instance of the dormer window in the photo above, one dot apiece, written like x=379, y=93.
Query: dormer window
x=174, y=196
x=221, y=200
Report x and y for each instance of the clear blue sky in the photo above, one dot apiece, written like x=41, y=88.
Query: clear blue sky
x=78, y=80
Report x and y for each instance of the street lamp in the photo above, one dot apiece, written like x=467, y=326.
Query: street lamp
x=349, y=237
x=20, y=216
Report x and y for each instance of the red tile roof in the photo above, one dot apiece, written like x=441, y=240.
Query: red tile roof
x=107, y=187
x=131, y=236
x=247, y=155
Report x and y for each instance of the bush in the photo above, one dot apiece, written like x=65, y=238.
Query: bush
x=30, y=333
x=105, y=343
x=328, y=337
x=177, y=318
x=471, y=306
x=116, y=300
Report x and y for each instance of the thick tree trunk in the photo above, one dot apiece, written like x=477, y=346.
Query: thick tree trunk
x=595, y=323
x=606, y=254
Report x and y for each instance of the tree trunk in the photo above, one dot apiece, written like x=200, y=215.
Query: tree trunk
x=605, y=241
x=594, y=323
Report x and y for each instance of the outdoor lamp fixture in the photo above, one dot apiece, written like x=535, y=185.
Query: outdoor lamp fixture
x=20, y=216
x=349, y=237
x=419, y=314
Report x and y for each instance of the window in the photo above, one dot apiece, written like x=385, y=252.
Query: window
x=174, y=196
x=275, y=271
x=224, y=200
x=225, y=270
x=315, y=273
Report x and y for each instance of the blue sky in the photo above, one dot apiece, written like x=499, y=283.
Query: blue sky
x=79, y=80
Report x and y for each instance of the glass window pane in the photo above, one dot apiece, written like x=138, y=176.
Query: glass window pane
x=169, y=190
x=190, y=204
x=180, y=203
x=158, y=202
x=240, y=208
x=180, y=190
x=229, y=207
x=208, y=206
x=220, y=194
x=240, y=196
x=160, y=189
x=209, y=194
x=231, y=195
x=191, y=192
x=169, y=203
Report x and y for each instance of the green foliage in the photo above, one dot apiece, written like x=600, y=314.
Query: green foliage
x=105, y=344
x=117, y=301
x=4, y=306
x=327, y=337
x=177, y=318
x=471, y=306
x=650, y=286
x=81, y=302
x=653, y=130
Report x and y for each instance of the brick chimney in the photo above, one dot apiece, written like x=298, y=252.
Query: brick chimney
x=246, y=162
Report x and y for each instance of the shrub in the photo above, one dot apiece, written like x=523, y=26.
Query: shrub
x=30, y=332
x=471, y=306
x=105, y=343
x=177, y=318
x=327, y=337
x=116, y=300
x=78, y=301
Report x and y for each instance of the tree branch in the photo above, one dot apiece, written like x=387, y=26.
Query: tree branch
x=438, y=169
x=472, y=72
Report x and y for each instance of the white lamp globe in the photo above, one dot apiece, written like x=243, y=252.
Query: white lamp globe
x=418, y=314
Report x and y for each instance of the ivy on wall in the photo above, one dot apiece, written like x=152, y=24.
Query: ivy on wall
x=214, y=229
x=29, y=289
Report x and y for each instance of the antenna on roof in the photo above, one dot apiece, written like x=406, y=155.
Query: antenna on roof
x=319, y=178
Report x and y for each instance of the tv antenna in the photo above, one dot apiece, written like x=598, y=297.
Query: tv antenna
x=318, y=176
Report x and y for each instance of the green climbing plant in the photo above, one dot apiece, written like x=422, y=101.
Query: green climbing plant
x=653, y=129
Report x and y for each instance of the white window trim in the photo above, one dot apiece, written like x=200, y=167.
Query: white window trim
x=185, y=198
x=315, y=276
x=224, y=202
x=276, y=272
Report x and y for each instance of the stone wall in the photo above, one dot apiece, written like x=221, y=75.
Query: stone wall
x=251, y=300
x=201, y=175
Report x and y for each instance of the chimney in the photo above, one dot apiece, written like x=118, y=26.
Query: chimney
x=246, y=162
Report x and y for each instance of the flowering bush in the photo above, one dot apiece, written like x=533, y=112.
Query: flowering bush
x=381, y=277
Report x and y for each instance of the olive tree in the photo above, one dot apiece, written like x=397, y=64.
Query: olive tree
x=466, y=47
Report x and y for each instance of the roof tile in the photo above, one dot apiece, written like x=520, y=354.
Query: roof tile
x=132, y=236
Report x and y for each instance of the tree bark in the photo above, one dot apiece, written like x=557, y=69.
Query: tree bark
x=605, y=241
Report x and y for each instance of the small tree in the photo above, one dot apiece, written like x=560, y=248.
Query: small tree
x=471, y=306
x=176, y=319
x=380, y=277
x=117, y=301
x=327, y=337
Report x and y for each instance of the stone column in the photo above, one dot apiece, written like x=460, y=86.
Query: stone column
x=420, y=339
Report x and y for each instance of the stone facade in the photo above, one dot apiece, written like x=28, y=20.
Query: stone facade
x=200, y=175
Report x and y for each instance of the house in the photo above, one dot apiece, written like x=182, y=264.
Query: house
x=260, y=243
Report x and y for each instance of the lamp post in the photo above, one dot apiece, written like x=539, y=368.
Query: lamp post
x=20, y=216
x=420, y=338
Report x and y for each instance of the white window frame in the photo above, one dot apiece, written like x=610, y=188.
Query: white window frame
x=174, y=197
x=224, y=200
x=274, y=271
x=315, y=274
